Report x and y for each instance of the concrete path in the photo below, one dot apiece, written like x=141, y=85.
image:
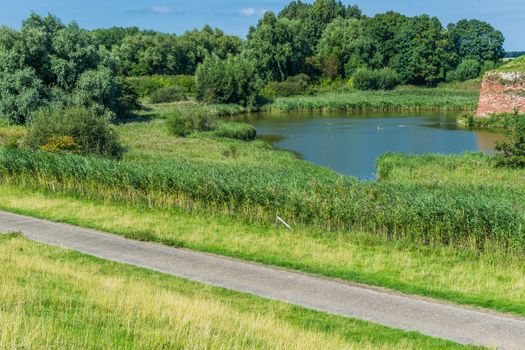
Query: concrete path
x=460, y=324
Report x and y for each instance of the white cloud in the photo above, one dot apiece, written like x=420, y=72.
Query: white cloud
x=160, y=9
x=251, y=11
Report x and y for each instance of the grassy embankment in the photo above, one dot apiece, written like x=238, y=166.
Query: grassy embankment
x=54, y=298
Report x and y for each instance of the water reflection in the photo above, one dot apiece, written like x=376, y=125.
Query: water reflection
x=350, y=144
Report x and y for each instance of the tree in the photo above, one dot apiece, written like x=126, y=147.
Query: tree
x=46, y=63
x=511, y=153
x=316, y=17
x=383, y=30
x=232, y=80
x=423, y=56
x=468, y=69
x=21, y=94
x=277, y=46
x=474, y=39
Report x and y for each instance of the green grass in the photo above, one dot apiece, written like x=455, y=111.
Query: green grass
x=447, y=97
x=51, y=298
x=516, y=65
x=493, y=279
x=469, y=169
x=469, y=216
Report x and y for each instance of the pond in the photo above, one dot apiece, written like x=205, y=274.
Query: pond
x=351, y=143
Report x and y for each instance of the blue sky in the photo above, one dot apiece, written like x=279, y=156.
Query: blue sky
x=235, y=16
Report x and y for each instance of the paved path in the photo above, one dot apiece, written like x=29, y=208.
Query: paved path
x=460, y=324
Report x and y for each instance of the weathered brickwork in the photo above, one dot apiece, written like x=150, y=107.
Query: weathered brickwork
x=502, y=93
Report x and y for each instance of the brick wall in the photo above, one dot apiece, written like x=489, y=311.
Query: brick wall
x=502, y=93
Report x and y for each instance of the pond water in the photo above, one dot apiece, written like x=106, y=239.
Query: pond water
x=351, y=143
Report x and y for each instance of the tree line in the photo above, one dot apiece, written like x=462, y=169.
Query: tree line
x=48, y=62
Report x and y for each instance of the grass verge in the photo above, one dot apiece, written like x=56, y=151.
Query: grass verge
x=52, y=298
x=493, y=279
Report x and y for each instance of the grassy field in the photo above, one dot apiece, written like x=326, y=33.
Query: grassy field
x=52, y=298
x=493, y=279
x=448, y=97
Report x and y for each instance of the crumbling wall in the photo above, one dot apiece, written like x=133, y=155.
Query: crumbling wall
x=502, y=92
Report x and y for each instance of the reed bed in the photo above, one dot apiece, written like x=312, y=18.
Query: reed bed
x=451, y=214
x=402, y=99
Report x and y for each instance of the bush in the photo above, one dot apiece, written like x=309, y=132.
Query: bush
x=185, y=122
x=93, y=134
x=233, y=80
x=12, y=136
x=166, y=95
x=239, y=131
x=60, y=144
x=511, y=153
x=292, y=86
x=468, y=69
x=147, y=85
x=385, y=79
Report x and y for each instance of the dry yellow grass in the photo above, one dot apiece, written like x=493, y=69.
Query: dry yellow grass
x=55, y=299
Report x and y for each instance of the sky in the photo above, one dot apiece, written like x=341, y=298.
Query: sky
x=236, y=16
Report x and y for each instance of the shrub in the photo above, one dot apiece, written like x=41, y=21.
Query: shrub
x=166, y=95
x=292, y=86
x=233, y=80
x=147, y=85
x=385, y=79
x=93, y=134
x=233, y=130
x=511, y=153
x=60, y=144
x=468, y=69
x=12, y=136
x=185, y=122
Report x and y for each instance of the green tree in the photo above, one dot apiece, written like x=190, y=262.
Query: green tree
x=383, y=30
x=99, y=91
x=474, y=39
x=232, y=80
x=511, y=153
x=468, y=69
x=423, y=56
x=278, y=47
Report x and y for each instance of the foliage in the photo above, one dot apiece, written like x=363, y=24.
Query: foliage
x=317, y=16
x=147, y=85
x=184, y=122
x=233, y=130
x=422, y=56
x=227, y=81
x=297, y=85
x=152, y=53
x=49, y=63
x=511, y=153
x=385, y=79
x=278, y=47
x=477, y=40
x=166, y=95
x=60, y=144
x=468, y=69
x=93, y=134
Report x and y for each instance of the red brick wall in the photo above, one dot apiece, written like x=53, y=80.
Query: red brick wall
x=502, y=93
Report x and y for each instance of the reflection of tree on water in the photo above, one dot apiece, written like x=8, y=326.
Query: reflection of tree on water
x=487, y=140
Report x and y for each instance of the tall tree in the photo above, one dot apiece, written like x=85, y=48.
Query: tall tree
x=474, y=39
x=277, y=46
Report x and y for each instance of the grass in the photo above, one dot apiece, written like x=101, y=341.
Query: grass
x=446, y=97
x=493, y=279
x=51, y=298
x=467, y=216
x=469, y=169
x=516, y=65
